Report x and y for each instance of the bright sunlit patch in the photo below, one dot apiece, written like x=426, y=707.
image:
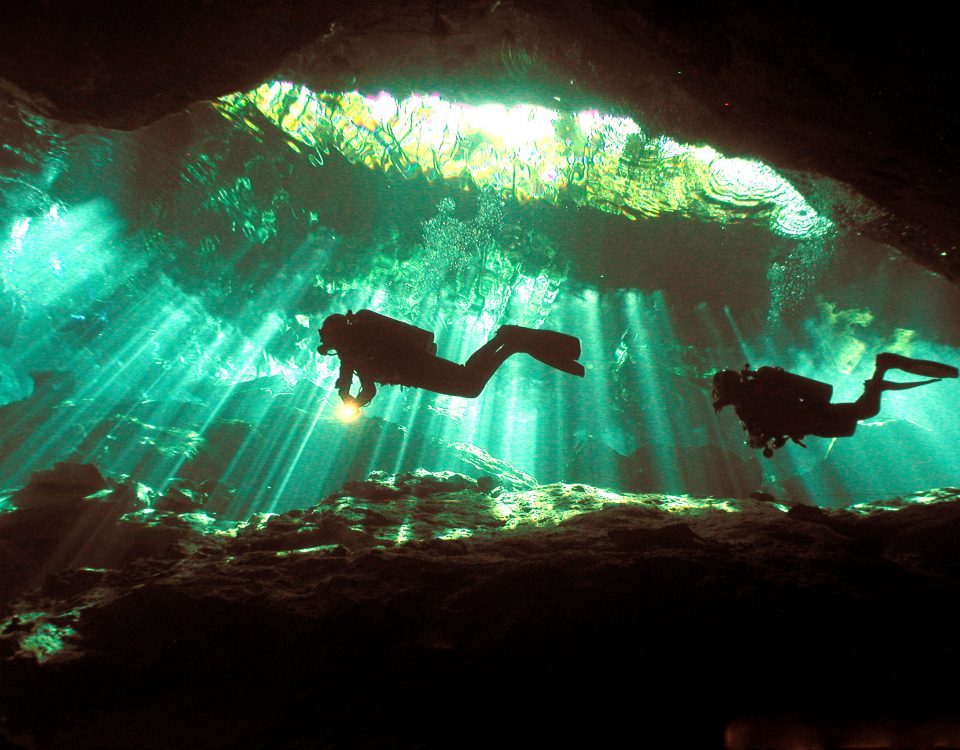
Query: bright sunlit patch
x=20, y=228
x=307, y=550
x=348, y=412
x=46, y=641
x=533, y=153
x=455, y=534
x=37, y=638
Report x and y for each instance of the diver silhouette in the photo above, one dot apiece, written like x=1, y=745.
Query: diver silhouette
x=382, y=350
x=775, y=406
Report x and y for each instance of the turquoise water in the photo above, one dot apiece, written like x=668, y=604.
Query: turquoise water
x=170, y=281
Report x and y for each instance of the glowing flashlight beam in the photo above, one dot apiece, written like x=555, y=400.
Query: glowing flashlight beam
x=348, y=412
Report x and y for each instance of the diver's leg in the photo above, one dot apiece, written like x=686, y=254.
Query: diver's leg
x=467, y=381
x=482, y=364
x=887, y=361
x=868, y=405
x=841, y=419
x=550, y=347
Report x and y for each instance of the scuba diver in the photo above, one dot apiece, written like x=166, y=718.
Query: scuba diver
x=775, y=406
x=390, y=352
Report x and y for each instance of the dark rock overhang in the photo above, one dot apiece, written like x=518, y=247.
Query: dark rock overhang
x=861, y=97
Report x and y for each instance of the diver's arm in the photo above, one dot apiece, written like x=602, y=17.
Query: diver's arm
x=368, y=389
x=345, y=380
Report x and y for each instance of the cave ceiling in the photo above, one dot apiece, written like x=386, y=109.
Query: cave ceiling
x=862, y=96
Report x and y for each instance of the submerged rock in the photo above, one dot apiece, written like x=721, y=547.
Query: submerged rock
x=594, y=610
x=65, y=483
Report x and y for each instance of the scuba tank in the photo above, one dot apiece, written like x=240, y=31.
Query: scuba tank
x=777, y=405
x=805, y=389
x=372, y=327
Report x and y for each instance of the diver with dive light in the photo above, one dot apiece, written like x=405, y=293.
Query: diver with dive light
x=390, y=352
x=775, y=406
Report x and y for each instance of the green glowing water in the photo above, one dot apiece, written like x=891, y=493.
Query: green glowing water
x=174, y=278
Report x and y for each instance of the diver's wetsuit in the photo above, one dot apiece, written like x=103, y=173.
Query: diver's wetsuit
x=378, y=358
x=765, y=411
x=427, y=371
x=772, y=407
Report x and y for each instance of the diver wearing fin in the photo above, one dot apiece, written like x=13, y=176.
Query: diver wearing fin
x=775, y=406
x=382, y=350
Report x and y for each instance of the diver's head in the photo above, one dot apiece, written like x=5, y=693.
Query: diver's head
x=726, y=388
x=333, y=333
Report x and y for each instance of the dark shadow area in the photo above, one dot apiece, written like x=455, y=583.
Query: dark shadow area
x=630, y=624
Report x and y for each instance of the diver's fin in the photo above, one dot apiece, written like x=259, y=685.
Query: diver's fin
x=565, y=365
x=536, y=340
x=925, y=367
x=558, y=350
x=891, y=386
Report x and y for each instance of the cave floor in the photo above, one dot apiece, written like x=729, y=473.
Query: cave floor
x=644, y=619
